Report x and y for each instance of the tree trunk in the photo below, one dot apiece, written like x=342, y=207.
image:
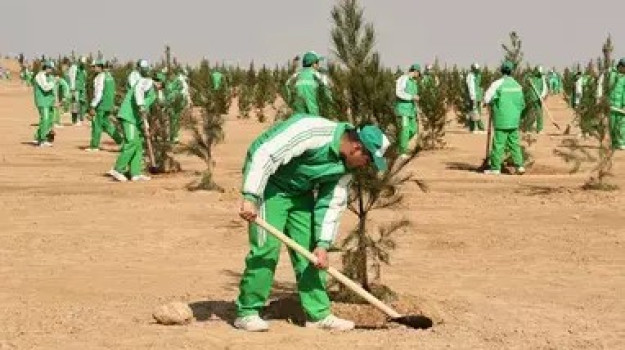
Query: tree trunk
x=362, y=270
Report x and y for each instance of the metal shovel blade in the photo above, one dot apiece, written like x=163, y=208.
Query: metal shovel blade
x=414, y=321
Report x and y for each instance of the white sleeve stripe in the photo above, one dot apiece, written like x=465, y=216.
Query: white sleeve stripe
x=490, y=93
x=337, y=205
x=400, y=88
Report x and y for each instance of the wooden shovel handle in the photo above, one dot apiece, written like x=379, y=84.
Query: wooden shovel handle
x=356, y=288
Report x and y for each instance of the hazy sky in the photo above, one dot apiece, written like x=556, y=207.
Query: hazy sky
x=272, y=31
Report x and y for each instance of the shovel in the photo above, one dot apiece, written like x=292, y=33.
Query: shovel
x=153, y=169
x=486, y=162
x=413, y=321
x=542, y=104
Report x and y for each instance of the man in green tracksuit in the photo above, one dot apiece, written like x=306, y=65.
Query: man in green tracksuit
x=476, y=93
x=177, y=98
x=133, y=117
x=102, y=106
x=406, y=99
x=429, y=76
x=555, y=87
x=506, y=98
x=617, y=102
x=537, y=94
x=296, y=177
x=217, y=79
x=304, y=87
x=78, y=87
x=62, y=94
x=26, y=75
x=45, y=100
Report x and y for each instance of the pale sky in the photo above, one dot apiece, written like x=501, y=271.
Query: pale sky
x=272, y=31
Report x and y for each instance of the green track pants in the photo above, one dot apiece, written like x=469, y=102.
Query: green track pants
x=100, y=123
x=409, y=130
x=506, y=139
x=131, y=156
x=45, y=123
x=617, y=130
x=292, y=215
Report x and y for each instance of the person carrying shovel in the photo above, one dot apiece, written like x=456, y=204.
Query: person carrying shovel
x=133, y=118
x=296, y=177
x=505, y=96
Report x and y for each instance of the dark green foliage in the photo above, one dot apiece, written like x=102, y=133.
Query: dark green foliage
x=433, y=112
x=593, y=113
x=208, y=130
x=364, y=93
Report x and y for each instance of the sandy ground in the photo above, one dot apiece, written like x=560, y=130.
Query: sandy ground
x=506, y=262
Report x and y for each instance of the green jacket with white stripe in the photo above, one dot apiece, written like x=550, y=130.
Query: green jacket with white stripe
x=296, y=156
x=307, y=85
x=508, y=101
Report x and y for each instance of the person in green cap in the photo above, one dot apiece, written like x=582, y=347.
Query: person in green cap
x=476, y=94
x=304, y=87
x=297, y=176
x=102, y=106
x=537, y=94
x=617, y=106
x=132, y=115
x=555, y=84
x=45, y=100
x=78, y=87
x=406, y=99
x=505, y=96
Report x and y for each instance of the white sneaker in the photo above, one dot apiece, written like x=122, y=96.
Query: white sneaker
x=141, y=178
x=252, y=323
x=117, y=175
x=92, y=150
x=58, y=126
x=622, y=148
x=45, y=144
x=520, y=170
x=404, y=157
x=78, y=123
x=333, y=323
x=492, y=172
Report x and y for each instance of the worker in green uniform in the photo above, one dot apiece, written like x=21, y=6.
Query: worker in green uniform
x=476, y=95
x=132, y=115
x=406, y=99
x=102, y=106
x=507, y=100
x=304, y=87
x=296, y=177
x=45, y=100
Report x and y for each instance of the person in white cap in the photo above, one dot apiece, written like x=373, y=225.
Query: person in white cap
x=476, y=95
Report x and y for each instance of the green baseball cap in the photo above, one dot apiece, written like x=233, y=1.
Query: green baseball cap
x=376, y=143
x=507, y=66
x=415, y=67
x=99, y=62
x=621, y=62
x=310, y=58
x=48, y=64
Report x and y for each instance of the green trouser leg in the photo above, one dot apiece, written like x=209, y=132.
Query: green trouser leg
x=539, y=118
x=617, y=130
x=57, y=115
x=131, y=155
x=174, y=126
x=101, y=123
x=45, y=124
x=409, y=129
x=502, y=140
x=293, y=216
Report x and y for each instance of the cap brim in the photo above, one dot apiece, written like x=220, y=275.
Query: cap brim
x=380, y=163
